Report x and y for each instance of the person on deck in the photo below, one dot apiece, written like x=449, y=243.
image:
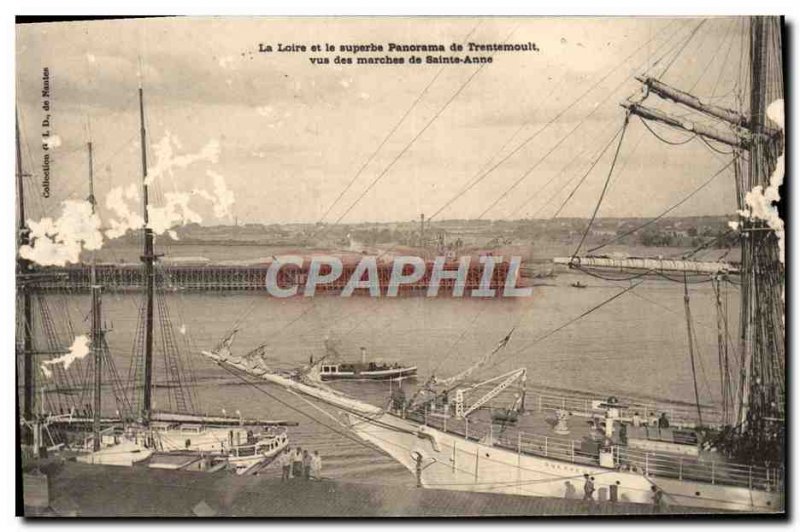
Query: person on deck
x=316, y=466
x=623, y=434
x=297, y=463
x=663, y=421
x=569, y=490
x=588, y=488
x=658, y=499
x=306, y=465
x=637, y=420
x=285, y=461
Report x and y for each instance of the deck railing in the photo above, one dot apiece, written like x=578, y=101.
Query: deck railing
x=648, y=463
x=678, y=415
x=587, y=451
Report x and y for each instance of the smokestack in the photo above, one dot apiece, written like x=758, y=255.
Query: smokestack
x=363, y=355
x=422, y=228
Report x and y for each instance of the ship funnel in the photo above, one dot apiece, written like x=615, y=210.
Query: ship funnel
x=363, y=355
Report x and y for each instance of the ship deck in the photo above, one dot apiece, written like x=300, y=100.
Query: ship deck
x=534, y=433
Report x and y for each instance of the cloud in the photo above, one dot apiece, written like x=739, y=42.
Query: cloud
x=167, y=161
x=57, y=242
x=127, y=219
x=222, y=199
x=178, y=208
x=175, y=212
x=61, y=241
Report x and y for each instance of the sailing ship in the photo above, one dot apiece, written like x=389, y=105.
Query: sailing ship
x=449, y=440
x=138, y=432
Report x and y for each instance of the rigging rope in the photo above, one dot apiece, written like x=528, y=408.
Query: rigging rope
x=567, y=323
x=605, y=187
x=414, y=139
x=552, y=120
x=712, y=148
x=478, y=176
x=345, y=434
x=680, y=51
x=585, y=175
x=690, y=334
x=530, y=169
x=717, y=49
x=391, y=132
x=654, y=220
x=555, y=176
x=662, y=139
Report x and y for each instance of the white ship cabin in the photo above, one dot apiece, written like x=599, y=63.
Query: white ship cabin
x=262, y=447
x=109, y=437
x=164, y=426
x=333, y=369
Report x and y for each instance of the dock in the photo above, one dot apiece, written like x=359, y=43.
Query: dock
x=79, y=490
x=245, y=277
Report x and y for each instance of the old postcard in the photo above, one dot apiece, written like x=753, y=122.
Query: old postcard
x=400, y=266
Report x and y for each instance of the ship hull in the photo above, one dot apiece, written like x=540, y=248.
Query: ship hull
x=452, y=462
x=378, y=375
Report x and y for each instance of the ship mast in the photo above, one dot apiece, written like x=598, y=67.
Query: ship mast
x=690, y=335
x=97, y=330
x=761, y=395
x=23, y=268
x=763, y=329
x=148, y=258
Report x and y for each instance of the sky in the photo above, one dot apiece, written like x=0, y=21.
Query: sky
x=290, y=137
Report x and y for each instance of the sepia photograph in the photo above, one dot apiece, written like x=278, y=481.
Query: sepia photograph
x=400, y=267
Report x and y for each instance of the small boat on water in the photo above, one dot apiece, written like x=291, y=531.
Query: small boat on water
x=578, y=284
x=329, y=368
x=370, y=371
